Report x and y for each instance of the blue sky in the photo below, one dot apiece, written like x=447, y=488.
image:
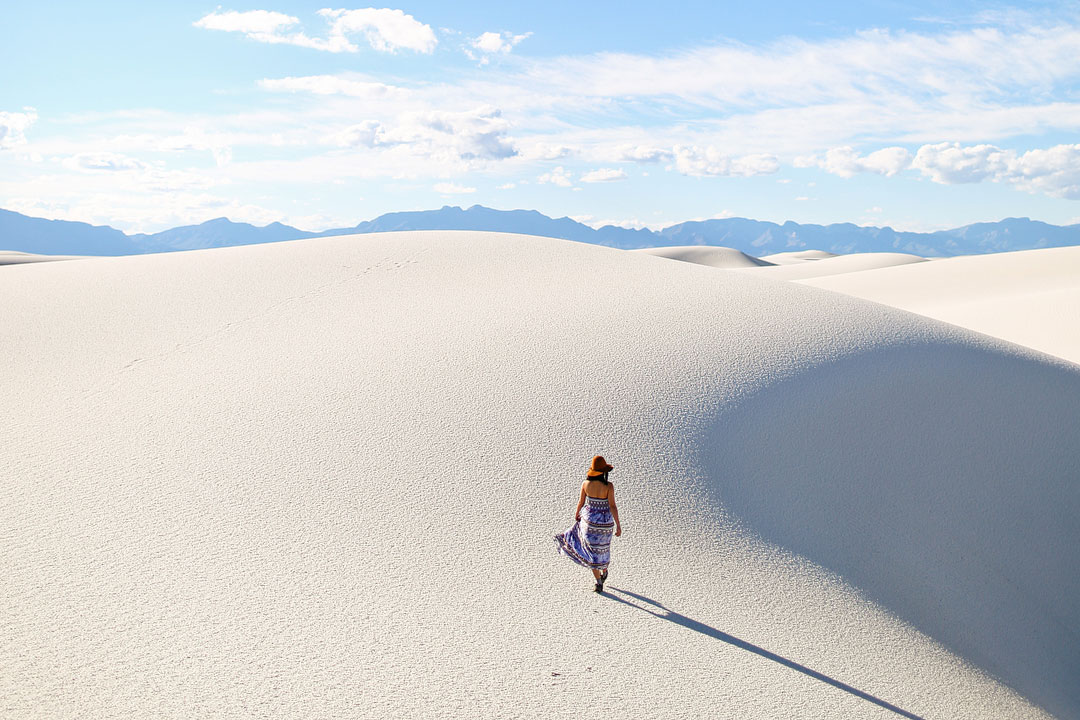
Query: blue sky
x=909, y=114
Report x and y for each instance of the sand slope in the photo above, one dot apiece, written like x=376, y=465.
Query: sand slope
x=1030, y=297
x=720, y=257
x=320, y=478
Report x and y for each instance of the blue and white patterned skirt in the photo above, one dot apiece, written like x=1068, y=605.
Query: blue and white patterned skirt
x=588, y=541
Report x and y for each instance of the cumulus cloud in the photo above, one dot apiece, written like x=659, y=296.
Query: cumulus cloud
x=603, y=175
x=951, y=163
x=13, y=126
x=490, y=43
x=446, y=188
x=709, y=161
x=384, y=29
x=846, y=162
x=333, y=85
x=1053, y=171
x=558, y=176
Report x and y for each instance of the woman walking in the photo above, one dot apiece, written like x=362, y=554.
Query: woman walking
x=588, y=541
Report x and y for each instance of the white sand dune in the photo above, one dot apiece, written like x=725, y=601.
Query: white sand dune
x=320, y=479
x=1031, y=297
x=797, y=256
x=14, y=257
x=721, y=257
x=835, y=265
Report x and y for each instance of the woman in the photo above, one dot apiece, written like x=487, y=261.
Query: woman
x=588, y=541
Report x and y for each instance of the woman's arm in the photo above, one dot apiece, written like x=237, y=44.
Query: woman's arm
x=614, y=509
x=580, y=503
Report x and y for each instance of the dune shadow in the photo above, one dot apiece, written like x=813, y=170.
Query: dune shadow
x=658, y=610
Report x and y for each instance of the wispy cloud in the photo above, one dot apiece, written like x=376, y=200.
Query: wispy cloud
x=360, y=86
x=603, y=175
x=447, y=188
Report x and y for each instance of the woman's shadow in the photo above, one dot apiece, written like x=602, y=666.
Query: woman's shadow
x=657, y=610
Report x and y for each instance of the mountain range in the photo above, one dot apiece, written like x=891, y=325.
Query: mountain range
x=755, y=237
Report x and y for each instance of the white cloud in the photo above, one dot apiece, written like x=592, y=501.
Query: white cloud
x=558, y=176
x=1052, y=171
x=384, y=29
x=846, y=162
x=333, y=85
x=642, y=154
x=104, y=162
x=365, y=134
x=875, y=63
x=478, y=134
x=507, y=186
x=13, y=127
x=709, y=161
x=472, y=135
x=261, y=26
x=446, y=188
x=252, y=23
x=538, y=150
x=603, y=175
x=490, y=43
x=951, y=163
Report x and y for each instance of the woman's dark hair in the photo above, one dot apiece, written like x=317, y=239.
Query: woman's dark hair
x=601, y=478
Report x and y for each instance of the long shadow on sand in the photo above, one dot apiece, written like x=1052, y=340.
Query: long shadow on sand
x=662, y=612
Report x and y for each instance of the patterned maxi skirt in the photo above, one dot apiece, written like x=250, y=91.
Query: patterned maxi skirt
x=588, y=541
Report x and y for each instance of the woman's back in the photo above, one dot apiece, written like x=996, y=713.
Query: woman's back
x=597, y=489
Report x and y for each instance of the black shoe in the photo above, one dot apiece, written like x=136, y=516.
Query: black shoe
x=603, y=577
x=599, y=586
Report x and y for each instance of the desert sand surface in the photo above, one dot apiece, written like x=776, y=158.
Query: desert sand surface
x=810, y=267
x=321, y=479
x=1031, y=297
x=710, y=255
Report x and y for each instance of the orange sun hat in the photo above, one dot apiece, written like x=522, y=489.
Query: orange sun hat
x=599, y=466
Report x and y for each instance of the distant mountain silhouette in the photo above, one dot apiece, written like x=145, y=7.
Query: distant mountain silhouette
x=754, y=237
x=60, y=237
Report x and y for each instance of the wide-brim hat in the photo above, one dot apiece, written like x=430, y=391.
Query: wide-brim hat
x=599, y=466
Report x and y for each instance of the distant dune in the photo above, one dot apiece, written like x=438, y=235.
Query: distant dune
x=10, y=257
x=1030, y=297
x=835, y=265
x=720, y=257
x=800, y=256
x=320, y=479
